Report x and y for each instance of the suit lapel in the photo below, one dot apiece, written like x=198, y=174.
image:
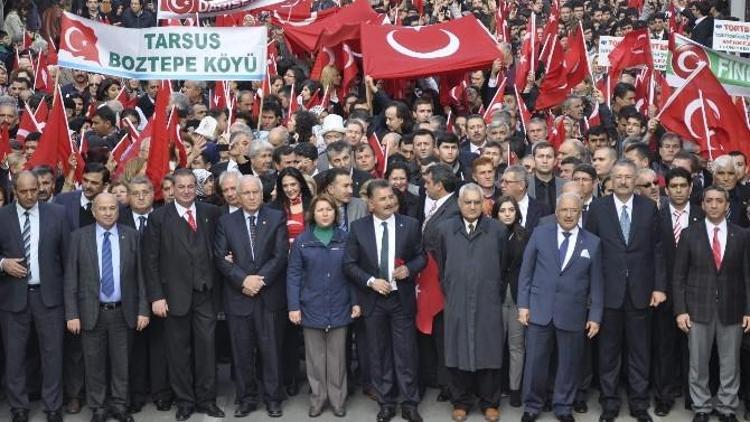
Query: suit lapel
x=92, y=249
x=16, y=227
x=730, y=246
x=616, y=218
x=707, y=245
x=577, y=248
x=181, y=226
x=123, y=244
x=241, y=227
x=261, y=230
x=372, y=240
x=400, y=234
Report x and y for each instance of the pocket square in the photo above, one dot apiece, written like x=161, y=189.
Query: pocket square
x=585, y=254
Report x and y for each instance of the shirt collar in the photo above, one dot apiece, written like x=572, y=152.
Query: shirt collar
x=722, y=226
x=84, y=201
x=524, y=202
x=390, y=220
x=20, y=210
x=685, y=211
x=101, y=230
x=182, y=210
x=248, y=215
x=619, y=204
x=560, y=231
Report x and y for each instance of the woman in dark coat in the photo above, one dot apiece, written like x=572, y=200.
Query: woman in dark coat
x=322, y=300
x=506, y=210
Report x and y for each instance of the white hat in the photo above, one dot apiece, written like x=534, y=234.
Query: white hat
x=332, y=123
x=207, y=127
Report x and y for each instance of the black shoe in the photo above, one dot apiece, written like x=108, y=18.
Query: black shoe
x=292, y=390
x=183, y=413
x=515, y=398
x=274, y=409
x=529, y=417
x=580, y=406
x=688, y=403
x=339, y=412
x=728, y=418
x=136, y=407
x=700, y=417
x=99, y=417
x=410, y=413
x=245, y=409
x=608, y=416
x=566, y=418
x=386, y=413
x=211, y=410
x=163, y=405
x=20, y=415
x=73, y=407
x=124, y=417
x=642, y=416
x=662, y=409
x=55, y=416
x=547, y=406
x=314, y=412
x=444, y=395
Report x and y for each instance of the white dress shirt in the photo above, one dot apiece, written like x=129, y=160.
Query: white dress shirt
x=247, y=216
x=428, y=205
x=523, y=207
x=571, y=242
x=619, y=204
x=378, y=225
x=114, y=241
x=137, y=220
x=684, y=217
x=182, y=212
x=722, y=235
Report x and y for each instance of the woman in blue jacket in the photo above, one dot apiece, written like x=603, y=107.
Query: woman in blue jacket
x=323, y=302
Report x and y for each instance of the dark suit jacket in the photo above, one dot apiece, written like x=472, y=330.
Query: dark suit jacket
x=448, y=209
x=637, y=266
x=566, y=297
x=359, y=177
x=71, y=201
x=361, y=260
x=271, y=254
x=667, y=235
x=168, y=260
x=83, y=277
x=53, y=248
x=699, y=289
x=534, y=214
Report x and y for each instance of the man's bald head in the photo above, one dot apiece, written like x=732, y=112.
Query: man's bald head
x=105, y=210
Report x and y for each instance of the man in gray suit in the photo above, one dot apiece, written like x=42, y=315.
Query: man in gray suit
x=33, y=245
x=338, y=183
x=543, y=185
x=105, y=299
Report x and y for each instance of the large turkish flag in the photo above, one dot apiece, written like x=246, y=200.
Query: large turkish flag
x=397, y=52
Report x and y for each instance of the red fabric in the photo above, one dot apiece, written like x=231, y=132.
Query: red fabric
x=4, y=142
x=125, y=99
x=634, y=50
x=554, y=87
x=82, y=40
x=398, y=52
x=529, y=52
x=26, y=124
x=380, y=156
x=326, y=56
x=158, y=157
x=636, y=4
x=219, y=96
x=523, y=112
x=496, y=104
x=42, y=113
x=121, y=147
x=549, y=33
x=295, y=224
x=716, y=249
x=430, y=299
x=191, y=220
x=55, y=145
x=558, y=134
x=341, y=25
x=577, y=58
x=702, y=110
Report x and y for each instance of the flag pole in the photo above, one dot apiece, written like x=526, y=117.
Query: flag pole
x=260, y=110
x=705, y=126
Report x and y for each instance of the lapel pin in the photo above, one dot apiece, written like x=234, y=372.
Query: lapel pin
x=264, y=222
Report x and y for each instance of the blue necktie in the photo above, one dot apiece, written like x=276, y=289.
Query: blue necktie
x=108, y=278
x=625, y=223
x=384, y=253
x=564, y=248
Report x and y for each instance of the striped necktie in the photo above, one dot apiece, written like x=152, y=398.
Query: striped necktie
x=26, y=235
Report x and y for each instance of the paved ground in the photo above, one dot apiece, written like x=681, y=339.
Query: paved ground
x=359, y=409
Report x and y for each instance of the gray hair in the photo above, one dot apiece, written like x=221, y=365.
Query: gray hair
x=259, y=146
x=250, y=177
x=469, y=187
x=623, y=162
x=180, y=101
x=646, y=171
x=228, y=174
x=234, y=136
x=140, y=180
x=8, y=101
x=723, y=162
x=520, y=172
x=571, y=195
x=578, y=145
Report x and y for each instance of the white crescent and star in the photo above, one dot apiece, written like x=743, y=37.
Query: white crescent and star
x=68, y=35
x=682, y=57
x=448, y=50
x=692, y=108
x=313, y=17
x=349, y=56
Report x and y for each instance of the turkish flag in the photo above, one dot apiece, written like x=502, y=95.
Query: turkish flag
x=529, y=51
x=326, y=57
x=577, y=58
x=550, y=33
x=496, y=104
x=343, y=25
x=636, y=4
x=4, y=142
x=125, y=99
x=554, y=87
x=134, y=148
x=634, y=50
x=121, y=147
x=430, y=299
x=401, y=52
x=741, y=105
x=558, y=134
x=676, y=25
x=158, y=156
x=642, y=90
x=55, y=145
x=523, y=112
x=219, y=96
x=77, y=39
x=41, y=114
x=702, y=110
x=41, y=74
x=380, y=154
x=349, y=66
x=26, y=124
x=593, y=119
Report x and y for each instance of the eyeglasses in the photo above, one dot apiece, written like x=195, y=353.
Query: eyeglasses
x=647, y=185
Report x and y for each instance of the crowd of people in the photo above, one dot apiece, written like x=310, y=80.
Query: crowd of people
x=376, y=237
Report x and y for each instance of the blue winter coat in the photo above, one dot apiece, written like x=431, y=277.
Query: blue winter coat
x=316, y=284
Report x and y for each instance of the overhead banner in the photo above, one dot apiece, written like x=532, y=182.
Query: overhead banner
x=188, y=53
x=732, y=71
x=659, y=50
x=182, y=9
x=731, y=36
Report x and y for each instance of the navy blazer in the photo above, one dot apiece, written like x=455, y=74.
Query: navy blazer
x=71, y=201
x=567, y=297
x=637, y=266
x=53, y=249
x=361, y=259
x=269, y=260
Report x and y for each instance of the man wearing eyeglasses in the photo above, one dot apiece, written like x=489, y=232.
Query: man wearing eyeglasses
x=647, y=185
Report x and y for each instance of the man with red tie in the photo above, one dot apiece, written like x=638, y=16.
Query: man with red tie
x=711, y=285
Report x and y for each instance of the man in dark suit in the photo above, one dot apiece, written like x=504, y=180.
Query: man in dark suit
x=699, y=15
x=105, y=299
x=543, y=185
x=383, y=254
x=180, y=276
x=340, y=155
x=440, y=205
x=514, y=182
x=148, y=348
x=628, y=226
x=670, y=347
x=33, y=246
x=78, y=213
x=560, y=295
x=712, y=303
x=255, y=293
